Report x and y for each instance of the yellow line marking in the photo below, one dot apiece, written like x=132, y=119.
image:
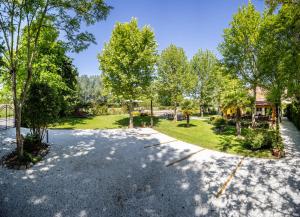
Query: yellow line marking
x=184, y=158
x=224, y=186
x=153, y=145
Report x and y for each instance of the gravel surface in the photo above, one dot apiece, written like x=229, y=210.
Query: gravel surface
x=110, y=173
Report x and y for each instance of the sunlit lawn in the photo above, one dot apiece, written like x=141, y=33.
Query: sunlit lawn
x=199, y=133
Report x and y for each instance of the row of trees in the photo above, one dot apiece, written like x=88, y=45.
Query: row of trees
x=132, y=69
x=259, y=50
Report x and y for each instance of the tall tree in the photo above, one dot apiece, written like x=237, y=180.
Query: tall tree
x=240, y=48
x=127, y=62
x=204, y=66
x=66, y=15
x=272, y=62
x=235, y=97
x=174, y=75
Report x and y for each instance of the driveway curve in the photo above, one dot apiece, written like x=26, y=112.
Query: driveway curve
x=142, y=172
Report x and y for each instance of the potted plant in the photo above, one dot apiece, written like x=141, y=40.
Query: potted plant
x=278, y=150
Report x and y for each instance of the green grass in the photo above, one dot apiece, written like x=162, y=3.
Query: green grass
x=199, y=133
x=202, y=133
x=101, y=122
x=3, y=113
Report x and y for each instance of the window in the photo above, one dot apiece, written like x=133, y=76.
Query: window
x=259, y=109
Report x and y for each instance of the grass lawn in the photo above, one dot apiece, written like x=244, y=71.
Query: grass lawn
x=199, y=133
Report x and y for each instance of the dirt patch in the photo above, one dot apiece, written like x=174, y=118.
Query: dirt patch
x=12, y=161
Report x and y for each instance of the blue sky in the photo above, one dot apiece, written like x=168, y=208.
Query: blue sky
x=190, y=24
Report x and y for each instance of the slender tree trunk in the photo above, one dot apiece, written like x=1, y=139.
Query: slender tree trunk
x=277, y=122
x=151, y=109
x=254, y=106
x=238, y=122
x=188, y=120
x=130, y=108
x=175, y=112
x=201, y=111
x=18, y=109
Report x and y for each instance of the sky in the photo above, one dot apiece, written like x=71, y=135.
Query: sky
x=190, y=24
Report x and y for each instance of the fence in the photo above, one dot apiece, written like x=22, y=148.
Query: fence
x=7, y=117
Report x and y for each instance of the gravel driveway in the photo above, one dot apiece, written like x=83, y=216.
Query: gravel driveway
x=111, y=173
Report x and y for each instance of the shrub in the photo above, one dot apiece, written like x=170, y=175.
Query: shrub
x=256, y=139
x=219, y=121
x=246, y=123
x=293, y=113
x=41, y=108
x=99, y=110
x=231, y=122
x=116, y=111
x=30, y=142
x=263, y=124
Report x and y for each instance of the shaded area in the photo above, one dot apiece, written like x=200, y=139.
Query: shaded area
x=110, y=173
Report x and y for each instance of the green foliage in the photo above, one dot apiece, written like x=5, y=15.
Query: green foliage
x=97, y=109
x=41, y=108
x=219, y=121
x=235, y=96
x=204, y=66
x=293, y=113
x=90, y=89
x=239, y=48
x=256, y=139
x=127, y=60
x=174, y=76
x=31, y=141
x=187, y=107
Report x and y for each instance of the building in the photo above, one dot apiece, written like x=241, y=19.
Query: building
x=264, y=110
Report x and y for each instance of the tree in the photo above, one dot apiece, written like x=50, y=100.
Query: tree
x=174, y=75
x=127, y=62
x=187, y=109
x=240, y=48
x=90, y=89
x=41, y=108
x=235, y=97
x=204, y=66
x=67, y=16
x=272, y=57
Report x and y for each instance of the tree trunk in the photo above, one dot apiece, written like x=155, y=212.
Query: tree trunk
x=238, y=122
x=253, y=107
x=130, y=108
x=18, y=109
x=277, y=122
x=201, y=110
x=151, y=109
x=175, y=112
x=188, y=120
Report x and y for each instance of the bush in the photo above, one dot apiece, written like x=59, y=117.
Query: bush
x=219, y=121
x=41, y=108
x=31, y=142
x=117, y=111
x=263, y=124
x=231, y=122
x=293, y=113
x=99, y=110
x=256, y=139
x=246, y=123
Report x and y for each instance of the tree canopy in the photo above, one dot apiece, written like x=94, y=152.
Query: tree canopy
x=128, y=60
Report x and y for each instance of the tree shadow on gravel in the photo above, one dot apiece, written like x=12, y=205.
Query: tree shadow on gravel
x=110, y=173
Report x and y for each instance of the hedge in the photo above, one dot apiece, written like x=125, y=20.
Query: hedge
x=293, y=114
